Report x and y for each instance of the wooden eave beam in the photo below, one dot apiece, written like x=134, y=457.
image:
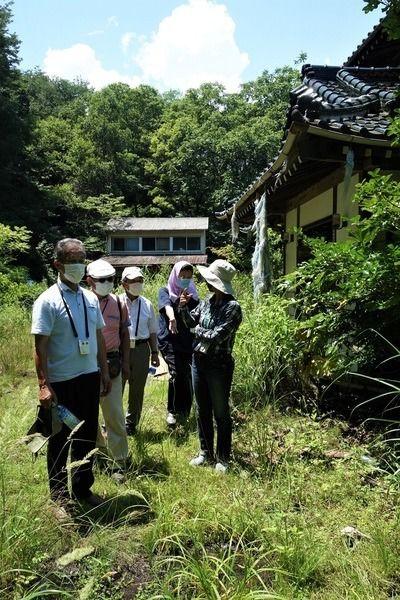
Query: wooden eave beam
x=348, y=138
x=285, y=204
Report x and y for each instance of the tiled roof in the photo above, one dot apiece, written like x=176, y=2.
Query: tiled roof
x=354, y=103
x=367, y=45
x=141, y=261
x=352, y=100
x=379, y=49
x=158, y=224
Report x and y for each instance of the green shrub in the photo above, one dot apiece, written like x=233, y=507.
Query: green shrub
x=348, y=289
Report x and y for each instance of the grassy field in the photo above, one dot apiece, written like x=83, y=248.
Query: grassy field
x=270, y=528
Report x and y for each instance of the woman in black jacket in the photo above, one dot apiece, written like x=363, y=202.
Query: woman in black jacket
x=175, y=340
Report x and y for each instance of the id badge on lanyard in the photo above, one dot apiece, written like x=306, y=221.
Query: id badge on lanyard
x=83, y=345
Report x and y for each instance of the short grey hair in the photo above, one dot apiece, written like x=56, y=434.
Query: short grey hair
x=62, y=247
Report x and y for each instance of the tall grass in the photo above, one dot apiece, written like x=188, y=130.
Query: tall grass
x=266, y=352
x=270, y=528
x=16, y=343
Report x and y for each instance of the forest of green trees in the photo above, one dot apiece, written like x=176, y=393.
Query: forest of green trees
x=71, y=157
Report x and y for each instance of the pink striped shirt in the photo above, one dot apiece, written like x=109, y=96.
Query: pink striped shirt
x=111, y=316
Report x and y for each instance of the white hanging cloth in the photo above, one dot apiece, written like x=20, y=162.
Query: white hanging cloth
x=261, y=260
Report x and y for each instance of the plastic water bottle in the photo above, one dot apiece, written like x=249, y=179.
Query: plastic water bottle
x=67, y=417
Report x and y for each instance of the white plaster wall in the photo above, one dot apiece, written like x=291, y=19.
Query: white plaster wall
x=317, y=208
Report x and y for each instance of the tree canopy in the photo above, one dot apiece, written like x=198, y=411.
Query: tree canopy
x=71, y=157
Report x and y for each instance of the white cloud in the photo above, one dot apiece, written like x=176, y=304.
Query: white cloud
x=126, y=41
x=80, y=61
x=194, y=44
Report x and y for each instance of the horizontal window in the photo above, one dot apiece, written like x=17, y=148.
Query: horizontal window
x=148, y=243
x=179, y=243
x=156, y=244
x=193, y=243
x=162, y=243
x=125, y=244
x=118, y=244
x=132, y=244
x=186, y=243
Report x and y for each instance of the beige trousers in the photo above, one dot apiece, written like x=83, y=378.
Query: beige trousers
x=139, y=359
x=114, y=419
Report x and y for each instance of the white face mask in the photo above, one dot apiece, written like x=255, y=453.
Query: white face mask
x=103, y=289
x=74, y=272
x=135, y=288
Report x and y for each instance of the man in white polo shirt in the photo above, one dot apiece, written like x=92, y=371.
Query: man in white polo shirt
x=143, y=341
x=69, y=349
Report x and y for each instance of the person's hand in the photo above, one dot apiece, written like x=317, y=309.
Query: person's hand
x=47, y=395
x=155, y=361
x=126, y=371
x=184, y=298
x=106, y=384
x=172, y=326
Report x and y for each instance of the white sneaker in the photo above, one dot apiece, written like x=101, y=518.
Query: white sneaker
x=221, y=467
x=171, y=419
x=199, y=460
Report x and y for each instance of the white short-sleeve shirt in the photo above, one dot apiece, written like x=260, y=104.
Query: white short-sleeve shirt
x=50, y=318
x=147, y=322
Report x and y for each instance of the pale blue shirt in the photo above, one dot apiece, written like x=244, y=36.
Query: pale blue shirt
x=50, y=318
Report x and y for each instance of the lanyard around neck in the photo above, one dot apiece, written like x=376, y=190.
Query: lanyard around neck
x=137, y=319
x=105, y=306
x=70, y=316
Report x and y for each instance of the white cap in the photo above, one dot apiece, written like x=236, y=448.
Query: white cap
x=100, y=268
x=131, y=273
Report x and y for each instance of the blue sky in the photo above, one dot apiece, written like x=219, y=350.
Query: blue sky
x=181, y=43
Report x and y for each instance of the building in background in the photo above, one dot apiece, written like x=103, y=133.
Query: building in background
x=336, y=133
x=142, y=242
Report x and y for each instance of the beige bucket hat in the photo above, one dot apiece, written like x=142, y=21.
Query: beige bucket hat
x=219, y=274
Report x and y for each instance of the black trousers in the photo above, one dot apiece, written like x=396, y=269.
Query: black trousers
x=212, y=380
x=180, y=387
x=81, y=396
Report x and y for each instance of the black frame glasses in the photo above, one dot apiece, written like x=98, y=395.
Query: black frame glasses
x=104, y=279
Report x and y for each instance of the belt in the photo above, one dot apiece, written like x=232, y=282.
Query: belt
x=137, y=342
x=113, y=353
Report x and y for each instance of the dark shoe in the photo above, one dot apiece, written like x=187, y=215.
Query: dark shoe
x=92, y=500
x=130, y=429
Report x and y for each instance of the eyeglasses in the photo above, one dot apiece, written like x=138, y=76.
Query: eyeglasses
x=104, y=279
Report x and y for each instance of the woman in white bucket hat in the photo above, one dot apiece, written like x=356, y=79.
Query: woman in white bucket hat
x=215, y=321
